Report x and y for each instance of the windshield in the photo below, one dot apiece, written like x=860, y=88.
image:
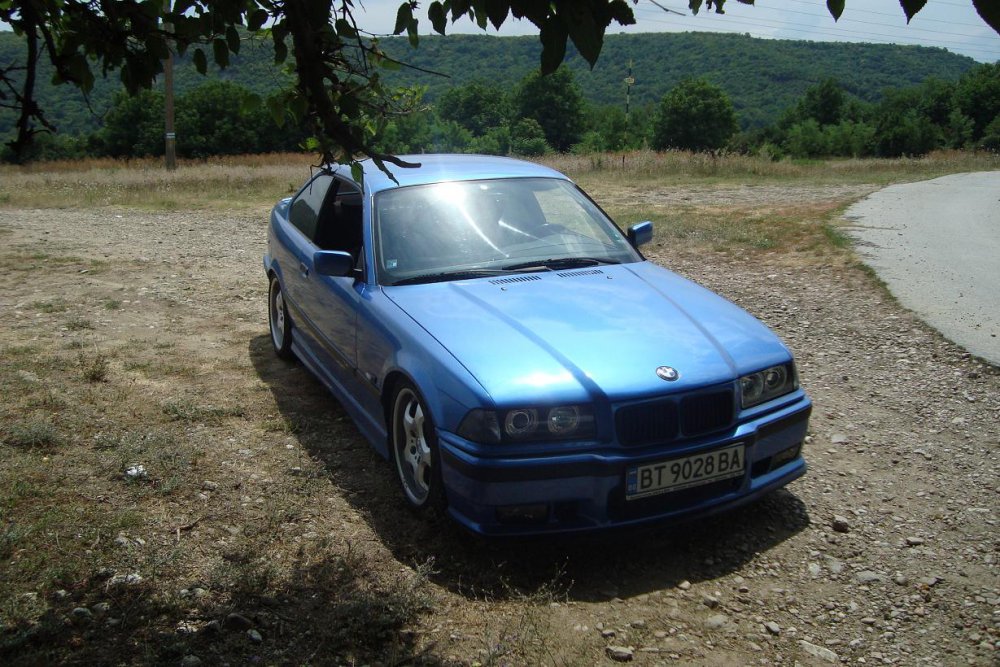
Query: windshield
x=467, y=229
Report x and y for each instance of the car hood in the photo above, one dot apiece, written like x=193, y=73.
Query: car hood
x=589, y=334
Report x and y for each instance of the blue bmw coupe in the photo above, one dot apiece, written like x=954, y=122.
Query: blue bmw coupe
x=522, y=367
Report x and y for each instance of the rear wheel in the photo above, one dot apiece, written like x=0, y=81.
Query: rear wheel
x=415, y=451
x=281, y=323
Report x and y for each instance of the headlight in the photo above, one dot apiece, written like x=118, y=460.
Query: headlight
x=562, y=422
x=767, y=384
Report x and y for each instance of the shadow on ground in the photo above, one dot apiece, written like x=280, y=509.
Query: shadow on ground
x=622, y=563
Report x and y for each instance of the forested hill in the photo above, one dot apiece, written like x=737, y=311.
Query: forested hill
x=762, y=77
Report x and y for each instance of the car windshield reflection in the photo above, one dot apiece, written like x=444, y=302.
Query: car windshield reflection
x=515, y=224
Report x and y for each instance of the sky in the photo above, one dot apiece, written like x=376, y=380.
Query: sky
x=949, y=24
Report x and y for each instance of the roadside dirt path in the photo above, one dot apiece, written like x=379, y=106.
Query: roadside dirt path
x=885, y=553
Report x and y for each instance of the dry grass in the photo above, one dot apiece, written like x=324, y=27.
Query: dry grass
x=254, y=182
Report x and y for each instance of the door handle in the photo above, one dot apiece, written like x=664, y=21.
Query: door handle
x=304, y=269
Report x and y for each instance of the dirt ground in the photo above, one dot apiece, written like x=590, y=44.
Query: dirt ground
x=265, y=530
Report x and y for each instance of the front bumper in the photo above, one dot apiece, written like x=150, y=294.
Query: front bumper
x=586, y=491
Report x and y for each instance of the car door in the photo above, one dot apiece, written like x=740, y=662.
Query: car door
x=299, y=246
x=334, y=299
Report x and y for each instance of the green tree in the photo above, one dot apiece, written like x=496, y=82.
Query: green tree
x=216, y=119
x=823, y=103
x=555, y=103
x=695, y=115
x=476, y=106
x=528, y=138
x=977, y=96
x=133, y=127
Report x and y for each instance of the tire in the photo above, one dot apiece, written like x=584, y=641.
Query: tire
x=279, y=321
x=415, y=455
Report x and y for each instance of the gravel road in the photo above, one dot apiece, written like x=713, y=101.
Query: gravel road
x=936, y=244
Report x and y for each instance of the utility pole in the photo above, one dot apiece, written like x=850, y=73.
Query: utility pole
x=629, y=82
x=168, y=98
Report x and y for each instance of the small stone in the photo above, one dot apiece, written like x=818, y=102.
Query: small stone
x=209, y=485
x=199, y=592
x=840, y=524
x=819, y=651
x=710, y=601
x=773, y=628
x=620, y=653
x=660, y=634
x=684, y=585
x=190, y=661
x=236, y=621
x=254, y=636
x=61, y=594
x=125, y=579
x=867, y=576
x=638, y=623
x=100, y=608
x=930, y=581
x=839, y=439
x=213, y=627
x=900, y=579
x=716, y=622
x=81, y=614
x=869, y=620
x=815, y=570
x=914, y=541
x=608, y=634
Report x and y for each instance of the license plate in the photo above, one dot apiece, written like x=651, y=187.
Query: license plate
x=683, y=473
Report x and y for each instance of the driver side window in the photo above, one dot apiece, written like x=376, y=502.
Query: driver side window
x=339, y=224
x=305, y=210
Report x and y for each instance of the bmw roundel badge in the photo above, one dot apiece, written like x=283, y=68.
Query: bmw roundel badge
x=667, y=373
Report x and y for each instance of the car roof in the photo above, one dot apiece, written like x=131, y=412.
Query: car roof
x=442, y=167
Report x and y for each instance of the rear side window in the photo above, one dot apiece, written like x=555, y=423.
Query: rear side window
x=304, y=213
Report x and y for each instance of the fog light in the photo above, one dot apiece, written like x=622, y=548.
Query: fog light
x=784, y=456
x=523, y=513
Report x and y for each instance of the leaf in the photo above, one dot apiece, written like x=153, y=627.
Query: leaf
x=233, y=39
x=553, y=37
x=256, y=20
x=345, y=29
x=694, y=6
x=200, y=62
x=276, y=107
x=836, y=8
x=221, y=52
x=404, y=17
x=439, y=20
x=497, y=11
x=989, y=11
x=911, y=7
x=357, y=172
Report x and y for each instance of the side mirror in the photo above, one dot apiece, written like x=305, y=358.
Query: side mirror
x=333, y=263
x=640, y=233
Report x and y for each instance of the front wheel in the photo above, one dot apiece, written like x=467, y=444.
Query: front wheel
x=415, y=452
x=280, y=322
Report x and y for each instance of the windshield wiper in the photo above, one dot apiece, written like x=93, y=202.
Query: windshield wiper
x=559, y=263
x=443, y=276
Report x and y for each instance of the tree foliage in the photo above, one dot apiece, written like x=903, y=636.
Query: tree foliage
x=555, y=103
x=338, y=91
x=696, y=115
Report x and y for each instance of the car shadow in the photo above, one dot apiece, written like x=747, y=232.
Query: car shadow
x=620, y=563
